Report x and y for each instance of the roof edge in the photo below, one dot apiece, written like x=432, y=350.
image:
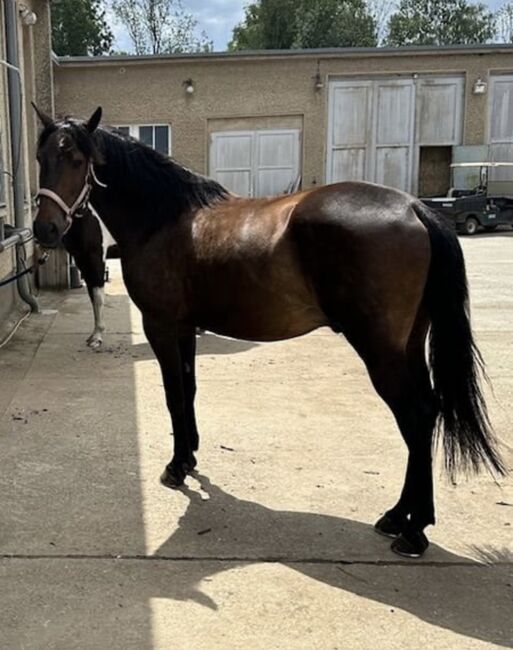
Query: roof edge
x=341, y=52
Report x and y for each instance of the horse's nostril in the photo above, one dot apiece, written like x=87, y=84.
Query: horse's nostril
x=45, y=232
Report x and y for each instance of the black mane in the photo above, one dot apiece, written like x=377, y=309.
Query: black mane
x=154, y=187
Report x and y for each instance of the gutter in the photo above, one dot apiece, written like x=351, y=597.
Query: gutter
x=320, y=53
x=19, y=236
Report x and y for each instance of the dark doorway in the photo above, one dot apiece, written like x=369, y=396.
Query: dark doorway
x=435, y=171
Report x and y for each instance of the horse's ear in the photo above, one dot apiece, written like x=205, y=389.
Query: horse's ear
x=46, y=120
x=94, y=120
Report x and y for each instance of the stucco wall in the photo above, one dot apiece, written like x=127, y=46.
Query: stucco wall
x=36, y=67
x=146, y=91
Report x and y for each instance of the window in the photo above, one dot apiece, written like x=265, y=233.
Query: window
x=157, y=136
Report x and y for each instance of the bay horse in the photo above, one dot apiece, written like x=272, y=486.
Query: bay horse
x=371, y=262
x=90, y=244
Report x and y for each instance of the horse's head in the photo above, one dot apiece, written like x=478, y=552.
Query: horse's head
x=66, y=153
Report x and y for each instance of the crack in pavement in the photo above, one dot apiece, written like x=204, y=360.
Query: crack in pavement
x=247, y=560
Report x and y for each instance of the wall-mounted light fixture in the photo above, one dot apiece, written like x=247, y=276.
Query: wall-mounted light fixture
x=188, y=84
x=480, y=87
x=318, y=82
x=28, y=17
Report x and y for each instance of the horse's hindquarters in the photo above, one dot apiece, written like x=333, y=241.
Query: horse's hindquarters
x=368, y=263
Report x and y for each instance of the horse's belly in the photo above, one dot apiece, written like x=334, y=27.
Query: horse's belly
x=265, y=316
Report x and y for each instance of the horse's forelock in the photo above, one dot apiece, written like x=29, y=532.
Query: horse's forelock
x=77, y=132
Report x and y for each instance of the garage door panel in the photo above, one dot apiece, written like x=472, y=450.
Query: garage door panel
x=348, y=165
x=238, y=182
x=502, y=110
x=394, y=113
x=274, y=181
x=232, y=151
x=501, y=125
x=350, y=109
x=277, y=149
x=392, y=165
x=439, y=112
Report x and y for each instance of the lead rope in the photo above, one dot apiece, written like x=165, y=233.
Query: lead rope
x=30, y=269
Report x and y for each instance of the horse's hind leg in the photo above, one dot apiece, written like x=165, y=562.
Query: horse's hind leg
x=402, y=380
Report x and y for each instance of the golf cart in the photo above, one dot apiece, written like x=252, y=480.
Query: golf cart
x=488, y=205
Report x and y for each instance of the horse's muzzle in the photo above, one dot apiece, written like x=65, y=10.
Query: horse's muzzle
x=47, y=233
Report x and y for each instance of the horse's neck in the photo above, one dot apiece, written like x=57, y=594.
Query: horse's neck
x=121, y=209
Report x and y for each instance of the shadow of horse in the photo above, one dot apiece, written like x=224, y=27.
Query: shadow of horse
x=207, y=344
x=468, y=597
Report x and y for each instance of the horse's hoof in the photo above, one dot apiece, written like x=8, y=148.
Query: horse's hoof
x=172, y=477
x=94, y=344
x=389, y=526
x=411, y=544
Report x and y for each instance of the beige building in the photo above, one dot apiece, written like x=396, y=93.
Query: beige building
x=258, y=121
x=26, y=75
x=264, y=122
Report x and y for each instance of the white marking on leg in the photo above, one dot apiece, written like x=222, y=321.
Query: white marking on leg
x=96, y=338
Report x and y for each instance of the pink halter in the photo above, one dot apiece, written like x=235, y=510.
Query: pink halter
x=81, y=200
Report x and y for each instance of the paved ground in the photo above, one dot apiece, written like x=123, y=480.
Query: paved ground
x=271, y=545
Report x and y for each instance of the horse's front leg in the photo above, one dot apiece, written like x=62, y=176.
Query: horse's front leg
x=188, y=359
x=171, y=352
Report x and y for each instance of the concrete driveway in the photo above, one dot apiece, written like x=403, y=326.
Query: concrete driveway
x=270, y=545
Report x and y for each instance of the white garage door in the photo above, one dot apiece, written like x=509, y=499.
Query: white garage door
x=371, y=131
x=377, y=126
x=255, y=163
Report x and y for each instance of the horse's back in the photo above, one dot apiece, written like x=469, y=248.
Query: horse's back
x=357, y=206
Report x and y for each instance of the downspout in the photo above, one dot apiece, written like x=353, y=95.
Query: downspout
x=15, y=114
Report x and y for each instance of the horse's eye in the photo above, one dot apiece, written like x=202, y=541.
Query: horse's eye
x=76, y=164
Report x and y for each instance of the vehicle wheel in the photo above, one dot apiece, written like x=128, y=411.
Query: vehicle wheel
x=490, y=228
x=471, y=226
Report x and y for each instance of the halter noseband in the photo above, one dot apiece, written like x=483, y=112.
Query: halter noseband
x=81, y=200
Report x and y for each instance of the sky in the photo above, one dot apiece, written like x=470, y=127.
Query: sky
x=218, y=18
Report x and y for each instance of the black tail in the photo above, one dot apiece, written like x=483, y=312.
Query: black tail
x=456, y=363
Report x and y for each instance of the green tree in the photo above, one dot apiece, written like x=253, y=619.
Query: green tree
x=268, y=24
x=160, y=26
x=79, y=28
x=440, y=22
x=285, y=24
x=335, y=23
